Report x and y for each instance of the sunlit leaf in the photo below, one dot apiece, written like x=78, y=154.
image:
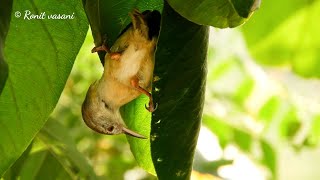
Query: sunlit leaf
x=220, y=70
x=209, y=167
x=228, y=133
x=261, y=25
x=231, y=79
x=269, y=157
x=233, y=134
x=268, y=111
x=219, y=128
x=293, y=41
x=217, y=13
x=243, y=140
x=290, y=124
x=40, y=54
x=139, y=120
x=314, y=134
x=244, y=90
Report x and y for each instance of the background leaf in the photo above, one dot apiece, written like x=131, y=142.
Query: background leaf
x=43, y=165
x=217, y=13
x=62, y=146
x=269, y=157
x=53, y=155
x=261, y=25
x=181, y=68
x=5, y=14
x=291, y=38
x=313, y=138
x=14, y=171
x=40, y=54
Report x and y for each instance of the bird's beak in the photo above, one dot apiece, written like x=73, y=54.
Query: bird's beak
x=132, y=133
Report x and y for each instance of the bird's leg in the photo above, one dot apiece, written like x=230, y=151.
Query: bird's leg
x=135, y=83
x=104, y=47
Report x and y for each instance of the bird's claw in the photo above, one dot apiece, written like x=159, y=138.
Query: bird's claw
x=151, y=107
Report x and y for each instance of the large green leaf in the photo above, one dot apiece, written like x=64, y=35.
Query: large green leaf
x=5, y=14
x=40, y=54
x=179, y=92
x=217, y=13
x=289, y=39
x=110, y=18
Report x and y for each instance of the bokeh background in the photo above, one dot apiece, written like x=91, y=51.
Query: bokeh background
x=262, y=109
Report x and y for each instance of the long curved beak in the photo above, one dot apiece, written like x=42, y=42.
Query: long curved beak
x=132, y=133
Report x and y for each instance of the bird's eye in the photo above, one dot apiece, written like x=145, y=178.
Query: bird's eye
x=106, y=105
x=111, y=128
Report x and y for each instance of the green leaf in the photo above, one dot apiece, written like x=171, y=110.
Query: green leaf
x=314, y=134
x=217, y=13
x=269, y=157
x=244, y=90
x=221, y=129
x=179, y=92
x=221, y=70
x=40, y=54
x=14, y=171
x=109, y=18
x=43, y=165
x=241, y=85
x=62, y=146
x=245, y=7
x=261, y=25
x=209, y=167
x=291, y=40
x=283, y=113
x=138, y=119
x=233, y=134
x=5, y=14
x=243, y=140
x=228, y=133
x=268, y=111
x=53, y=155
x=290, y=124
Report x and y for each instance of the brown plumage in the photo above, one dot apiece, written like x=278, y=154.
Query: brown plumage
x=128, y=72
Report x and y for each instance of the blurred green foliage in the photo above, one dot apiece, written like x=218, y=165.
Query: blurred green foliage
x=258, y=109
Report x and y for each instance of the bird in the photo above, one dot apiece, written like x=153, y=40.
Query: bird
x=128, y=73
